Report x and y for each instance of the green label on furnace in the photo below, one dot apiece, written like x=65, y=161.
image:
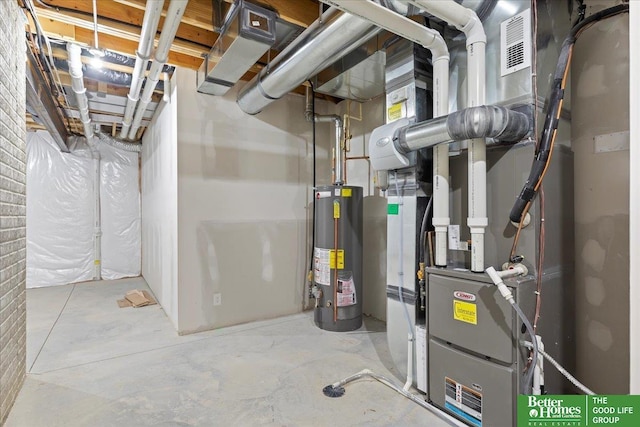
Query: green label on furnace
x=392, y=209
x=578, y=411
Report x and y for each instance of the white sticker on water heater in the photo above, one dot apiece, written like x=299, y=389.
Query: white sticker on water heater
x=322, y=266
x=346, y=290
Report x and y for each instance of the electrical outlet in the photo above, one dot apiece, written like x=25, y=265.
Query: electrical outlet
x=217, y=299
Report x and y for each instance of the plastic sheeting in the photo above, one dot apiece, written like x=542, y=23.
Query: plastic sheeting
x=60, y=216
x=120, y=209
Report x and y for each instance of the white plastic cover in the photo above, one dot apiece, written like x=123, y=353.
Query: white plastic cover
x=120, y=209
x=60, y=204
x=59, y=213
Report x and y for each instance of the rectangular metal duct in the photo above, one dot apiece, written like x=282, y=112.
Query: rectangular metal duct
x=358, y=75
x=248, y=33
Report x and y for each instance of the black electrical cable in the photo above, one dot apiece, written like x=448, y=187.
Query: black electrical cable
x=545, y=146
x=313, y=139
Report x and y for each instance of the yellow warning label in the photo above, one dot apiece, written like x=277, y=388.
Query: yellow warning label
x=394, y=112
x=332, y=259
x=336, y=209
x=96, y=262
x=465, y=312
x=346, y=192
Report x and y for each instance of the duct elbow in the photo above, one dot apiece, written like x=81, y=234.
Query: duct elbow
x=488, y=121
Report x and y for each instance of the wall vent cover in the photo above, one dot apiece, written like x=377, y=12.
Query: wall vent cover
x=515, y=43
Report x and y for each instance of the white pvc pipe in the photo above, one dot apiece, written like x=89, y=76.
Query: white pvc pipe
x=169, y=29
x=97, y=224
x=433, y=41
x=77, y=85
x=468, y=22
x=367, y=373
x=152, y=13
x=538, y=370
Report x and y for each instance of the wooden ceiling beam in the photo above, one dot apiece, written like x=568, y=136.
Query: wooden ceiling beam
x=133, y=16
x=126, y=47
x=199, y=12
x=117, y=29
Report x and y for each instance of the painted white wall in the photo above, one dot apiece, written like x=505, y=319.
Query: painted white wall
x=160, y=207
x=634, y=202
x=243, y=217
x=600, y=91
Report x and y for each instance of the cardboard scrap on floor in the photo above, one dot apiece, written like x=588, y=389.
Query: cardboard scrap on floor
x=136, y=298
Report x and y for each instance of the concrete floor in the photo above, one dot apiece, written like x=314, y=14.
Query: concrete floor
x=91, y=363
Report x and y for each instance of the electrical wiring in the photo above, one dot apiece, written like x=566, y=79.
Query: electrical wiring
x=545, y=146
x=560, y=369
x=313, y=213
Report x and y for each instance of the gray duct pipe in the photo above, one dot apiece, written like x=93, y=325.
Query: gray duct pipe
x=160, y=57
x=77, y=85
x=487, y=121
x=338, y=172
x=153, y=10
x=328, y=39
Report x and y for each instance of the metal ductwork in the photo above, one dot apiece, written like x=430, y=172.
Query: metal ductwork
x=390, y=143
x=328, y=39
x=248, y=33
x=77, y=85
x=169, y=30
x=42, y=105
x=143, y=54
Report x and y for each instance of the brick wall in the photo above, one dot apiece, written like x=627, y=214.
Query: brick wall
x=12, y=205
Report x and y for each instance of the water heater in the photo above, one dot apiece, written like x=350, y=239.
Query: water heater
x=337, y=258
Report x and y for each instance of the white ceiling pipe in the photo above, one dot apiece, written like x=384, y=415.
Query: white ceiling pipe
x=468, y=22
x=77, y=85
x=169, y=29
x=433, y=41
x=152, y=14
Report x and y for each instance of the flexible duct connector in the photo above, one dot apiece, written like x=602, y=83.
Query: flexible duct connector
x=487, y=121
x=135, y=147
x=325, y=41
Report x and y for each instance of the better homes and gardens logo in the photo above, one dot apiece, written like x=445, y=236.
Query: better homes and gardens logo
x=553, y=411
x=578, y=411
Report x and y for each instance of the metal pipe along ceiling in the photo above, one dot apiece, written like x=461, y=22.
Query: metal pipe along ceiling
x=77, y=85
x=433, y=41
x=169, y=29
x=324, y=42
x=143, y=54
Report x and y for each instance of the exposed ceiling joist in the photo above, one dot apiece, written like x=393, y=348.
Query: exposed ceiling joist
x=117, y=29
x=199, y=12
